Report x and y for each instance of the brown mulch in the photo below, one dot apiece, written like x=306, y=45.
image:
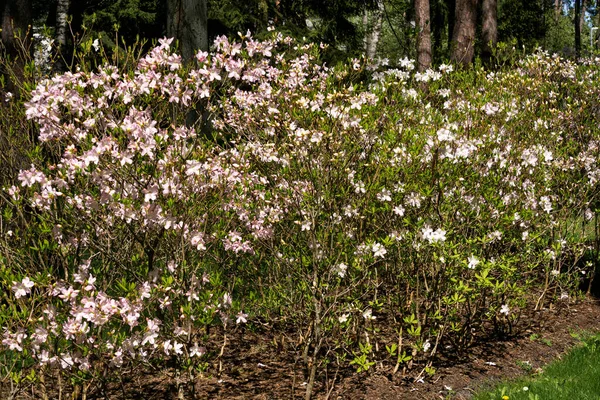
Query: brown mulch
x=491, y=362
x=262, y=365
x=264, y=368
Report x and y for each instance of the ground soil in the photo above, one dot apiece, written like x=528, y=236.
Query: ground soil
x=260, y=365
x=487, y=363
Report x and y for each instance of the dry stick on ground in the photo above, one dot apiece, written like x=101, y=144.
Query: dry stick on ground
x=399, y=352
x=337, y=369
x=43, y=384
x=221, y=353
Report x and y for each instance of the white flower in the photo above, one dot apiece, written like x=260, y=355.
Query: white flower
x=473, y=262
x=504, y=309
x=399, y=211
x=368, y=314
x=227, y=300
x=306, y=225
x=196, y=351
x=384, y=195
x=426, y=346
x=439, y=235
x=241, y=318
x=343, y=318
x=96, y=44
x=546, y=203
x=167, y=346
x=177, y=347
x=341, y=269
x=378, y=250
x=445, y=135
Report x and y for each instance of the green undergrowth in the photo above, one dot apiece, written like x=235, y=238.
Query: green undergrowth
x=574, y=376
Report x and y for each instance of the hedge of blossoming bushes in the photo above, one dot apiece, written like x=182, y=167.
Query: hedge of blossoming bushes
x=163, y=206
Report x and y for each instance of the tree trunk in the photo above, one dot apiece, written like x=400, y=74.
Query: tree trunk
x=62, y=8
x=451, y=16
x=438, y=25
x=365, y=23
x=557, y=8
x=423, y=20
x=582, y=16
x=463, y=37
x=16, y=21
x=187, y=23
x=489, y=29
x=373, y=32
x=578, y=28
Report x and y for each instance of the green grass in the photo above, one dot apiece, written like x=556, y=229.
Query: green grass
x=575, y=377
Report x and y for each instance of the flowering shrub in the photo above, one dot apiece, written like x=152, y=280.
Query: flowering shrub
x=169, y=199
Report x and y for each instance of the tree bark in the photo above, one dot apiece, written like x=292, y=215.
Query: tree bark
x=423, y=20
x=451, y=16
x=578, y=28
x=438, y=25
x=187, y=22
x=489, y=29
x=16, y=22
x=582, y=16
x=558, y=4
x=463, y=37
x=62, y=8
x=373, y=32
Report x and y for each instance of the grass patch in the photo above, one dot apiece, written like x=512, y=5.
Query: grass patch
x=575, y=376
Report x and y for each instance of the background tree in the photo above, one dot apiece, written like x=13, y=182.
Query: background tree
x=62, y=9
x=525, y=22
x=423, y=20
x=463, y=37
x=577, y=21
x=489, y=28
x=15, y=35
x=187, y=21
x=373, y=29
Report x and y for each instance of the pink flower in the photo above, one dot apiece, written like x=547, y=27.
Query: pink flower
x=197, y=351
x=241, y=318
x=177, y=347
x=167, y=346
x=68, y=294
x=14, y=341
x=22, y=288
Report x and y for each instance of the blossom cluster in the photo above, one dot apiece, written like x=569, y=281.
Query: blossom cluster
x=174, y=190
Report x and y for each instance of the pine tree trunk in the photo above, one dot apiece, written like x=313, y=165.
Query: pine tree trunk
x=578, y=28
x=489, y=29
x=451, y=16
x=365, y=23
x=438, y=24
x=463, y=37
x=423, y=20
x=557, y=8
x=582, y=16
x=187, y=22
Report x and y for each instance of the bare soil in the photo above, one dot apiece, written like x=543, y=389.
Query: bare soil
x=262, y=365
